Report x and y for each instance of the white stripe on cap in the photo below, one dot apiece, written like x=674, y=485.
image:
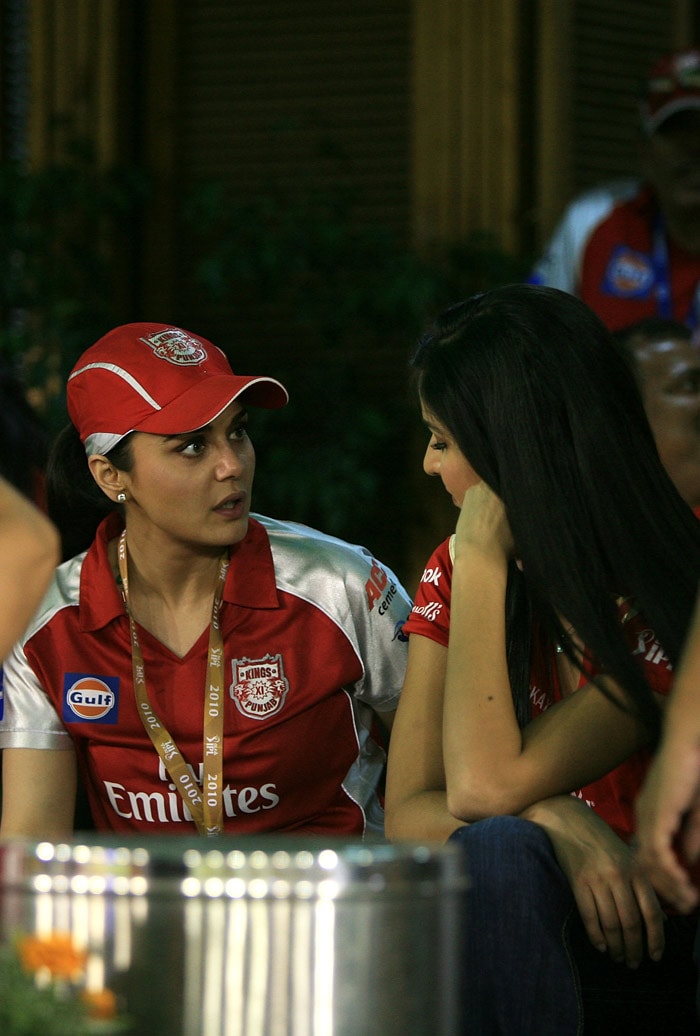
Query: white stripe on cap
x=124, y=375
x=103, y=442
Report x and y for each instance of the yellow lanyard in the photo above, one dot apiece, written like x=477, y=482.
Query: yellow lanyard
x=206, y=804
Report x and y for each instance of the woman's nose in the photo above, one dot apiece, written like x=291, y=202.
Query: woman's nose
x=431, y=461
x=229, y=463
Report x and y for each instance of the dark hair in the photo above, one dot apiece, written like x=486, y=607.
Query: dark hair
x=24, y=439
x=544, y=405
x=76, y=504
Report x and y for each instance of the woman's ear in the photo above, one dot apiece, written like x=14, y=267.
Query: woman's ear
x=107, y=477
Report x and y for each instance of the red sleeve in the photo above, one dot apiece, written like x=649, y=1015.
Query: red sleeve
x=430, y=615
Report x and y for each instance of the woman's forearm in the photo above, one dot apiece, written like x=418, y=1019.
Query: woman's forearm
x=423, y=816
x=480, y=730
x=491, y=766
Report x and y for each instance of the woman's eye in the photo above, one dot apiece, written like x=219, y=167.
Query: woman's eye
x=688, y=385
x=193, y=448
x=437, y=445
x=238, y=433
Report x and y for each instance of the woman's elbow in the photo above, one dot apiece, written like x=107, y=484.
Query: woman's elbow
x=477, y=798
x=399, y=820
x=392, y=827
x=47, y=546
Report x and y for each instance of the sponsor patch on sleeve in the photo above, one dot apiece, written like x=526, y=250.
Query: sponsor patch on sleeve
x=90, y=699
x=629, y=274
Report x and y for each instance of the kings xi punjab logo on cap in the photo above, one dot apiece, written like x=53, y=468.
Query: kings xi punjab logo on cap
x=176, y=347
x=259, y=686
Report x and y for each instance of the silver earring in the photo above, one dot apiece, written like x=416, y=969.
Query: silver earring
x=121, y=498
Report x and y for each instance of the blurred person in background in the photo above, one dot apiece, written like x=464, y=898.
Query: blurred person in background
x=30, y=551
x=666, y=362
x=30, y=540
x=631, y=249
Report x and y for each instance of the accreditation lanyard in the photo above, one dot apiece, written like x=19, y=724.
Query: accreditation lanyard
x=662, y=277
x=206, y=804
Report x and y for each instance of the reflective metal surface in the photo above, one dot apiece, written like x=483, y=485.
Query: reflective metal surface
x=263, y=937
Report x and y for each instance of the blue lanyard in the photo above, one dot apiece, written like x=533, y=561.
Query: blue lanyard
x=662, y=276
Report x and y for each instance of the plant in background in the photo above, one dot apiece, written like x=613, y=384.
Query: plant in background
x=42, y=991
x=335, y=305
x=348, y=301
x=65, y=232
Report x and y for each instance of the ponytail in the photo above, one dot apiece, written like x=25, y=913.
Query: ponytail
x=75, y=502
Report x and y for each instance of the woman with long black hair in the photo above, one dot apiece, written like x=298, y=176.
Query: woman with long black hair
x=542, y=643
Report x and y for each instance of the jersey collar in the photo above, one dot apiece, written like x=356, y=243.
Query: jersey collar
x=250, y=582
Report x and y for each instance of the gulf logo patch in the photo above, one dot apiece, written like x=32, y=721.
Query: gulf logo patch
x=90, y=699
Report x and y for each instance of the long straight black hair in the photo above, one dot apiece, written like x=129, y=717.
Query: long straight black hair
x=545, y=406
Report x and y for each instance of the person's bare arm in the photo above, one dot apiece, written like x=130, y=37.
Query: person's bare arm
x=29, y=545
x=491, y=766
x=38, y=793
x=416, y=801
x=668, y=809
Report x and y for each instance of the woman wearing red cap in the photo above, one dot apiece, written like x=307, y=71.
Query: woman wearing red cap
x=199, y=667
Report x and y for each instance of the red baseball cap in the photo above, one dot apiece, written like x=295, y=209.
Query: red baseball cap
x=673, y=85
x=156, y=378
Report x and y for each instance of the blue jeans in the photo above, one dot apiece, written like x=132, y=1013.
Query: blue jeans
x=529, y=966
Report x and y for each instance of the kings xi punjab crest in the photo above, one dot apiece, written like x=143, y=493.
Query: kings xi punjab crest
x=176, y=346
x=259, y=686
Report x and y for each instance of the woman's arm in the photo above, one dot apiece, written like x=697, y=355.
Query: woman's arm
x=38, y=793
x=416, y=802
x=30, y=551
x=491, y=766
x=619, y=910
x=669, y=807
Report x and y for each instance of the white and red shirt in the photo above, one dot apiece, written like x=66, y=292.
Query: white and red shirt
x=612, y=796
x=313, y=647
x=611, y=250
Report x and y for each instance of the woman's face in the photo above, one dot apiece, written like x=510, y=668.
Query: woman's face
x=670, y=378
x=443, y=457
x=193, y=489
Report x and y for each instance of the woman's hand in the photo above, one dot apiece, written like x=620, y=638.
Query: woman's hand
x=617, y=904
x=668, y=823
x=668, y=809
x=483, y=524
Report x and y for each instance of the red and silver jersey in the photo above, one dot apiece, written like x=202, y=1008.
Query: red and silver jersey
x=612, y=797
x=313, y=646
x=606, y=250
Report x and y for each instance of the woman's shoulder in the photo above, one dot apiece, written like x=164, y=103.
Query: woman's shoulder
x=304, y=540
x=436, y=580
x=302, y=551
x=430, y=615
x=63, y=592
